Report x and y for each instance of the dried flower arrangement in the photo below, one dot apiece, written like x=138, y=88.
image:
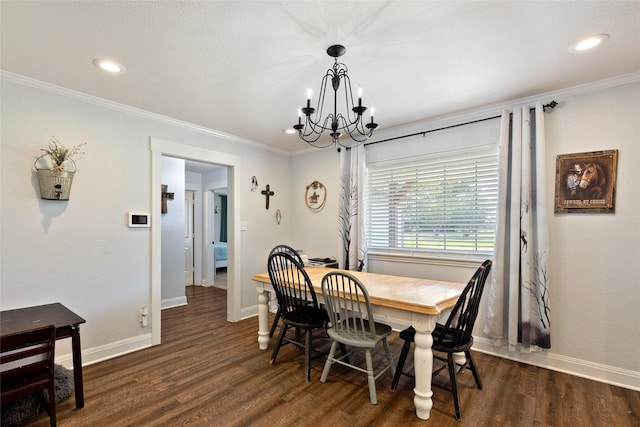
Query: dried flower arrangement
x=58, y=153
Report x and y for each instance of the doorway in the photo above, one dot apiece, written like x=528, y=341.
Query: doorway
x=206, y=219
x=218, y=217
x=158, y=149
x=189, y=238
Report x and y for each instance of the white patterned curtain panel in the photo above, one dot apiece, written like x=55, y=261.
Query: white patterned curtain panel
x=352, y=252
x=518, y=309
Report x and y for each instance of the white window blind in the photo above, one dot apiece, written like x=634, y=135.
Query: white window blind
x=445, y=204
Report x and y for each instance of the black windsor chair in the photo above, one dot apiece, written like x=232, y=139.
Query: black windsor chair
x=452, y=337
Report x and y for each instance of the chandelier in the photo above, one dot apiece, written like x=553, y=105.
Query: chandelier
x=352, y=122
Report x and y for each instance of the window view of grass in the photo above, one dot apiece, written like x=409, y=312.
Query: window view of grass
x=434, y=205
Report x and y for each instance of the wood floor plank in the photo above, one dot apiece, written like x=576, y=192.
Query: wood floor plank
x=210, y=372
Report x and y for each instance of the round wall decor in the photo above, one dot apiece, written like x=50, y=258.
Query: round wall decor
x=315, y=195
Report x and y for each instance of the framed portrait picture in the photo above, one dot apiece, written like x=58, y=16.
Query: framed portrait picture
x=586, y=182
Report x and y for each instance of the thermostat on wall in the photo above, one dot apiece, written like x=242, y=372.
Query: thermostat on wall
x=139, y=219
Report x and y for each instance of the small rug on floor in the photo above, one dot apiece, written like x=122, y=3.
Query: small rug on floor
x=18, y=411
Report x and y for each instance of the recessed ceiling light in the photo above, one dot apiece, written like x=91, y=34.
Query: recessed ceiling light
x=108, y=65
x=588, y=43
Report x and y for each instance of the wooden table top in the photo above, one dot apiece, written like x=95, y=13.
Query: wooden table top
x=404, y=293
x=27, y=318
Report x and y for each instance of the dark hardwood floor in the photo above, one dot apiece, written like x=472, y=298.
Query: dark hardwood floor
x=209, y=372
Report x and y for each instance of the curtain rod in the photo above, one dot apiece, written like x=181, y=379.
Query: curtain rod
x=550, y=105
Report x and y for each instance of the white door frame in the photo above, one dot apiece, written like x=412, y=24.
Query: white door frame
x=190, y=229
x=198, y=226
x=159, y=148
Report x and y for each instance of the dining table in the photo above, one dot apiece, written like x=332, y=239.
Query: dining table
x=396, y=300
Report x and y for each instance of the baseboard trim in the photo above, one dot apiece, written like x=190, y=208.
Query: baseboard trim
x=173, y=302
x=250, y=312
x=107, y=351
x=569, y=365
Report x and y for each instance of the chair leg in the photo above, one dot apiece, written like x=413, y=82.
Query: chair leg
x=371, y=378
x=283, y=329
x=473, y=368
x=307, y=354
x=275, y=322
x=51, y=409
x=399, y=369
x=387, y=350
x=454, y=384
x=329, y=362
x=343, y=349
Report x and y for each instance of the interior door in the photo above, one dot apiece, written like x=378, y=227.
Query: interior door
x=189, y=237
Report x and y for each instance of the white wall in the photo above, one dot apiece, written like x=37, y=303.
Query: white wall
x=81, y=252
x=173, y=227
x=596, y=293
x=315, y=231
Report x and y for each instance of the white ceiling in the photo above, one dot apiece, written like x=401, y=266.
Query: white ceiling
x=243, y=67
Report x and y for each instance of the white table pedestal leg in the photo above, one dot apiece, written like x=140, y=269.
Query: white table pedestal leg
x=459, y=358
x=423, y=366
x=263, y=318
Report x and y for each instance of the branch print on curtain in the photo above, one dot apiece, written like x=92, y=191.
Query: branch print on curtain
x=518, y=302
x=352, y=251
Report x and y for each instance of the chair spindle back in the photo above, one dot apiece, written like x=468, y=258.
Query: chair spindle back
x=463, y=316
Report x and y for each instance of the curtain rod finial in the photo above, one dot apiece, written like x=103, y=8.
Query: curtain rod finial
x=551, y=105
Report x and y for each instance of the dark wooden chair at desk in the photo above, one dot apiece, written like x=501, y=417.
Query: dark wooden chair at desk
x=26, y=374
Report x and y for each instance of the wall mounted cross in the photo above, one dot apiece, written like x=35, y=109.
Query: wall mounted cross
x=165, y=196
x=267, y=192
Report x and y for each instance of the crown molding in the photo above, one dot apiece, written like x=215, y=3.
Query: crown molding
x=418, y=126
x=496, y=109
x=80, y=96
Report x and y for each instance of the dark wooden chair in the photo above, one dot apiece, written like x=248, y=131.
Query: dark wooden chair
x=298, y=303
x=27, y=363
x=455, y=336
x=287, y=250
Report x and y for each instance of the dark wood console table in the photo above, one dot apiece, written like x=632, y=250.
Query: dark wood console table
x=67, y=326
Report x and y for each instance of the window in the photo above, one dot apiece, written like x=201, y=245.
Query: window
x=444, y=204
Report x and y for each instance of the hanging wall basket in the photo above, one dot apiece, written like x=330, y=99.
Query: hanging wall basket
x=55, y=184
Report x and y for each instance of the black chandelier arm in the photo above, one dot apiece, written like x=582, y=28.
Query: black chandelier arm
x=310, y=127
x=321, y=145
x=357, y=110
x=357, y=130
x=358, y=126
x=352, y=121
x=311, y=136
